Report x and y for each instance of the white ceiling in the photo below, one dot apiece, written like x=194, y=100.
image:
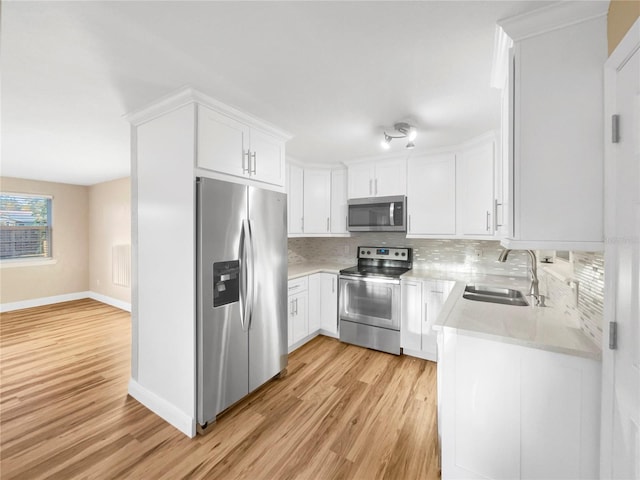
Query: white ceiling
x=334, y=74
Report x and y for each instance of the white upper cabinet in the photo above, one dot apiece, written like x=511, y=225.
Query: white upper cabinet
x=267, y=158
x=233, y=146
x=317, y=201
x=361, y=177
x=378, y=179
x=475, y=192
x=431, y=195
x=223, y=143
x=555, y=127
x=339, y=201
x=295, y=198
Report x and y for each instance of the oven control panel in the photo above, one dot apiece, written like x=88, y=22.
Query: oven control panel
x=383, y=253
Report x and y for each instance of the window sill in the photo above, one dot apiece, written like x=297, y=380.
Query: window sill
x=36, y=262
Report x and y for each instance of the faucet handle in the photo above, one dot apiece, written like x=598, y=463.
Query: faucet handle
x=541, y=300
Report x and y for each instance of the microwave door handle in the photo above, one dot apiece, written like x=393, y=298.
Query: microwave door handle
x=391, y=211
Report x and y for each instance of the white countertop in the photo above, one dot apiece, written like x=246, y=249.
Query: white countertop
x=309, y=268
x=545, y=328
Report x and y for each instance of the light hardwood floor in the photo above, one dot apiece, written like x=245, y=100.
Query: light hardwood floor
x=342, y=412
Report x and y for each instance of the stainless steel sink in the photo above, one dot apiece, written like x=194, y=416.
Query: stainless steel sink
x=505, y=296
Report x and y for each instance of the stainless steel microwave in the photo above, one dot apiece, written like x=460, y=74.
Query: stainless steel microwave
x=378, y=214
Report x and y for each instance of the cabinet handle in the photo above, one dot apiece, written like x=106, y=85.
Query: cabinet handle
x=488, y=215
x=246, y=169
x=333, y=285
x=495, y=212
x=370, y=187
x=425, y=312
x=327, y=224
x=346, y=222
x=296, y=306
x=376, y=184
x=409, y=223
x=291, y=308
x=302, y=224
x=253, y=157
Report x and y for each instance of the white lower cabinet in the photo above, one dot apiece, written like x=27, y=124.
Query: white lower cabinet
x=323, y=303
x=421, y=305
x=313, y=308
x=509, y=411
x=298, y=319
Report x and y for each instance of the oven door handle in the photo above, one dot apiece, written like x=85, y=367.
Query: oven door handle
x=388, y=281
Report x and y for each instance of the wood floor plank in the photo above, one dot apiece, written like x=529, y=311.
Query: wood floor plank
x=341, y=412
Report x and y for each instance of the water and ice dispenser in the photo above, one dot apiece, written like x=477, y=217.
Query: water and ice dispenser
x=226, y=282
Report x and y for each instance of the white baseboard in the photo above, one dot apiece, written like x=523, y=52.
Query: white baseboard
x=67, y=297
x=39, y=302
x=114, y=302
x=165, y=410
x=420, y=354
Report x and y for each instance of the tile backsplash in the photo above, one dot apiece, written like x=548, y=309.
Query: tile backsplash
x=476, y=257
x=587, y=312
x=472, y=256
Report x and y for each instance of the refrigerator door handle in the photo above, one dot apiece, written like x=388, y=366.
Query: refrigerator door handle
x=244, y=276
x=250, y=274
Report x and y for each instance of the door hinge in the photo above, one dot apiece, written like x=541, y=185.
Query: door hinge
x=615, y=128
x=613, y=335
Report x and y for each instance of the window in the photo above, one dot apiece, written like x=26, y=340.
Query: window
x=25, y=226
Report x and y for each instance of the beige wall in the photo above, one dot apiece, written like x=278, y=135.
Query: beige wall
x=622, y=14
x=109, y=225
x=70, y=245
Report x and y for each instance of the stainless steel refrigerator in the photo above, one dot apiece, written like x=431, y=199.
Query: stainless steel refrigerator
x=242, y=292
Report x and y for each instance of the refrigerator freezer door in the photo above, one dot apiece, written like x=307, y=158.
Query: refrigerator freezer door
x=268, y=321
x=222, y=345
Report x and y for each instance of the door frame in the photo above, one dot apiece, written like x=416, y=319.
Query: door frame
x=623, y=52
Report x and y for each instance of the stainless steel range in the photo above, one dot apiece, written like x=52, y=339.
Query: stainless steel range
x=370, y=298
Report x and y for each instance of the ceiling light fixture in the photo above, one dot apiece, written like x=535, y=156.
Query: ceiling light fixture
x=403, y=130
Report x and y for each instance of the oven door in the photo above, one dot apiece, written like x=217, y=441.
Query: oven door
x=370, y=301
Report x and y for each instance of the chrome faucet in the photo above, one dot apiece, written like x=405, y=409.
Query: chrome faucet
x=533, y=289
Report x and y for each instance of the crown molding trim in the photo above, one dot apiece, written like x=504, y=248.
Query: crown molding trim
x=186, y=96
x=553, y=17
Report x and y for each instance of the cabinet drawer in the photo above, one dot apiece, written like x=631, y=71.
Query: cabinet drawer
x=298, y=285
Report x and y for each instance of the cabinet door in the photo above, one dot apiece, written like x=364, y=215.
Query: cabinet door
x=360, y=180
x=390, y=178
x=329, y=302
x=433, y=295
x=431, y=193
x=339, y=201
x=299, y=318
x=315, y=302
x=411, y=316
x=222, y=143
x=486, y=421
x=267, y=158
x=295, y=198
x=317, y=201
x=475, y=190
